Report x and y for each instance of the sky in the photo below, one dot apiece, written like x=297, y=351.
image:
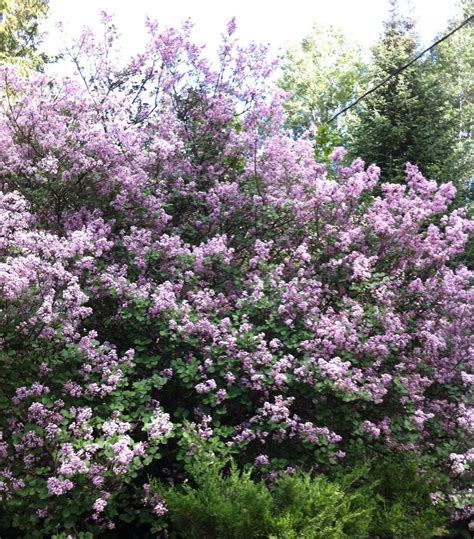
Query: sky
x=274, y=22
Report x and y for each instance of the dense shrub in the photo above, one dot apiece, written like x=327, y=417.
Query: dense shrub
x=173, y=265
x=235, y=506
x=406, y=507
x=389, y=502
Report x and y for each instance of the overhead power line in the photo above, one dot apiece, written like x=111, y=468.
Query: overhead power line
x=401, y=69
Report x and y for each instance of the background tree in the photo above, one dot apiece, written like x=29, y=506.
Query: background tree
x=451, y=66
x=413, y=117
x=19, y=31
x=323, y=74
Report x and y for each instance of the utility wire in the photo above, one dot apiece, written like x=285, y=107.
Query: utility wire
x=401, y=69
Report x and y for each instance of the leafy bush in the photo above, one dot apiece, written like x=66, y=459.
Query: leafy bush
x=406, y=509
x=234, y=506
x=308, y=507
x=173, y=265
x=390, y=501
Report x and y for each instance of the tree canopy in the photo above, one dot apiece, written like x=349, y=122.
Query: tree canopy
x=19, y=31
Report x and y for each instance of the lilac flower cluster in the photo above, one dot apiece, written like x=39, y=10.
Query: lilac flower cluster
x=160, y=425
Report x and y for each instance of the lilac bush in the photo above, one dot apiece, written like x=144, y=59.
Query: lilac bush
x=174, y=266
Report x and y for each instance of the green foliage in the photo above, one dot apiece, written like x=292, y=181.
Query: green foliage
x=315, y=507
x=218, y=506
x=405, y=510
x=327, y=138
x=416, y=115
x=19, y=32
x=388, y=501
x=423, y=115
x=323, y=74
x=451, y=65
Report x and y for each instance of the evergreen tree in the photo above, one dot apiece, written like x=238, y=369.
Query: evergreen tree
x=451, y=67
x=406, y=119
